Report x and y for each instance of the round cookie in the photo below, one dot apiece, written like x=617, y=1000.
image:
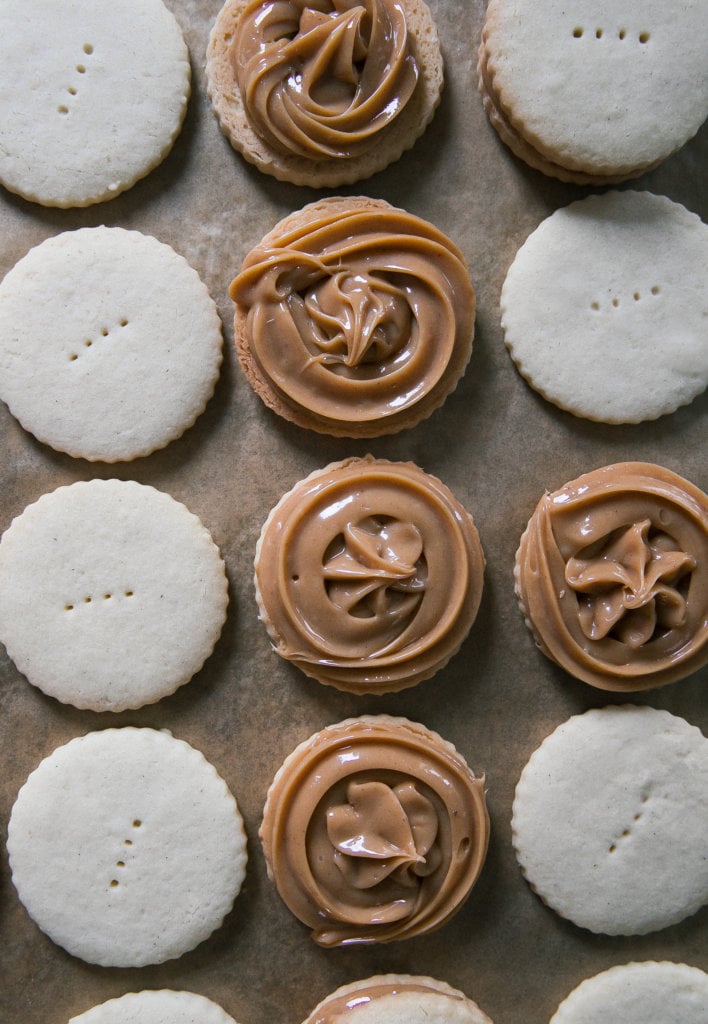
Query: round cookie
x=93, y=96
x=110, y=344
x=635, y=993
x=374, y=830
x=397, y=999
x=160, y=1006
x=610, y=577
x=616, y=91
x=521, y=148
x=126, y=847
x=609, y=822
x=99, y=582
x=353, y=318
x=325, y=96
x=369, y=575
x=605, y=307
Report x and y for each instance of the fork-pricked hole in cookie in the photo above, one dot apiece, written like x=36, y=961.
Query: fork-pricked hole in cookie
x=105, y=332
x=618, y=300
x=636, y=818
x=104, y=597
x=71, y=90
x=120, y=864
x=600, y=32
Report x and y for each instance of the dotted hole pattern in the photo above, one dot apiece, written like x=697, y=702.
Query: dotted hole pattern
x=116, y=881
x=72, y=90
x=71, y=606
x=600, y=33
x=627, y=832
x=106, y=332
x=616, y=301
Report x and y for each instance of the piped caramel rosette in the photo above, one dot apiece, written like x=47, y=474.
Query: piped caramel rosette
x=369, y=575
x=611, y=575
x=322, y=78
x=324, y=92
x=374, y=830
x=354, y=318
x=397, y=999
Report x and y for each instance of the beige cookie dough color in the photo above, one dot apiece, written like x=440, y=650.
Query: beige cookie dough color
x=93, y=96
x=159, y=1006
x=609, y=822
x=126, y=847
x=634, y=993
x=110, y=344
x=597, y=89
x=112, y=594
x=605, y=307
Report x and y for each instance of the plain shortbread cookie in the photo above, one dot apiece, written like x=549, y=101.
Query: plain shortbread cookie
x=636, y=993
x=110, y=344
x=93, y=96
x=112, y=594
x=605, y=307
x=159, y=1006
x=609, y=820
x=126, y=847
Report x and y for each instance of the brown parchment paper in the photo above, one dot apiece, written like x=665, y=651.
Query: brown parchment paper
x=495, y=443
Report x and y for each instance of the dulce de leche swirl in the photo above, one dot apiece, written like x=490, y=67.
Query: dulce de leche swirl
x=374, y=830
x=321, y=79
x=369, y=575
x=612, y=575
x=353, y=317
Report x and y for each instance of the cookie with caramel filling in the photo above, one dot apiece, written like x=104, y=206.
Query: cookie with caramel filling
x=324, y=92
x=612, y=577
x=369, y=575
x=374, y=830
x=619, y=87
x=354, y=318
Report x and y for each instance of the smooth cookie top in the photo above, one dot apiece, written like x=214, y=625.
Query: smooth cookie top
x=99, y=582
x=600, y=86
x=605, y=307
x=110, y=344
x=93, y=96
x=397, y=999
x=126, y=847
x=635, y=993
x=609, y=823
x=159, y=1006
